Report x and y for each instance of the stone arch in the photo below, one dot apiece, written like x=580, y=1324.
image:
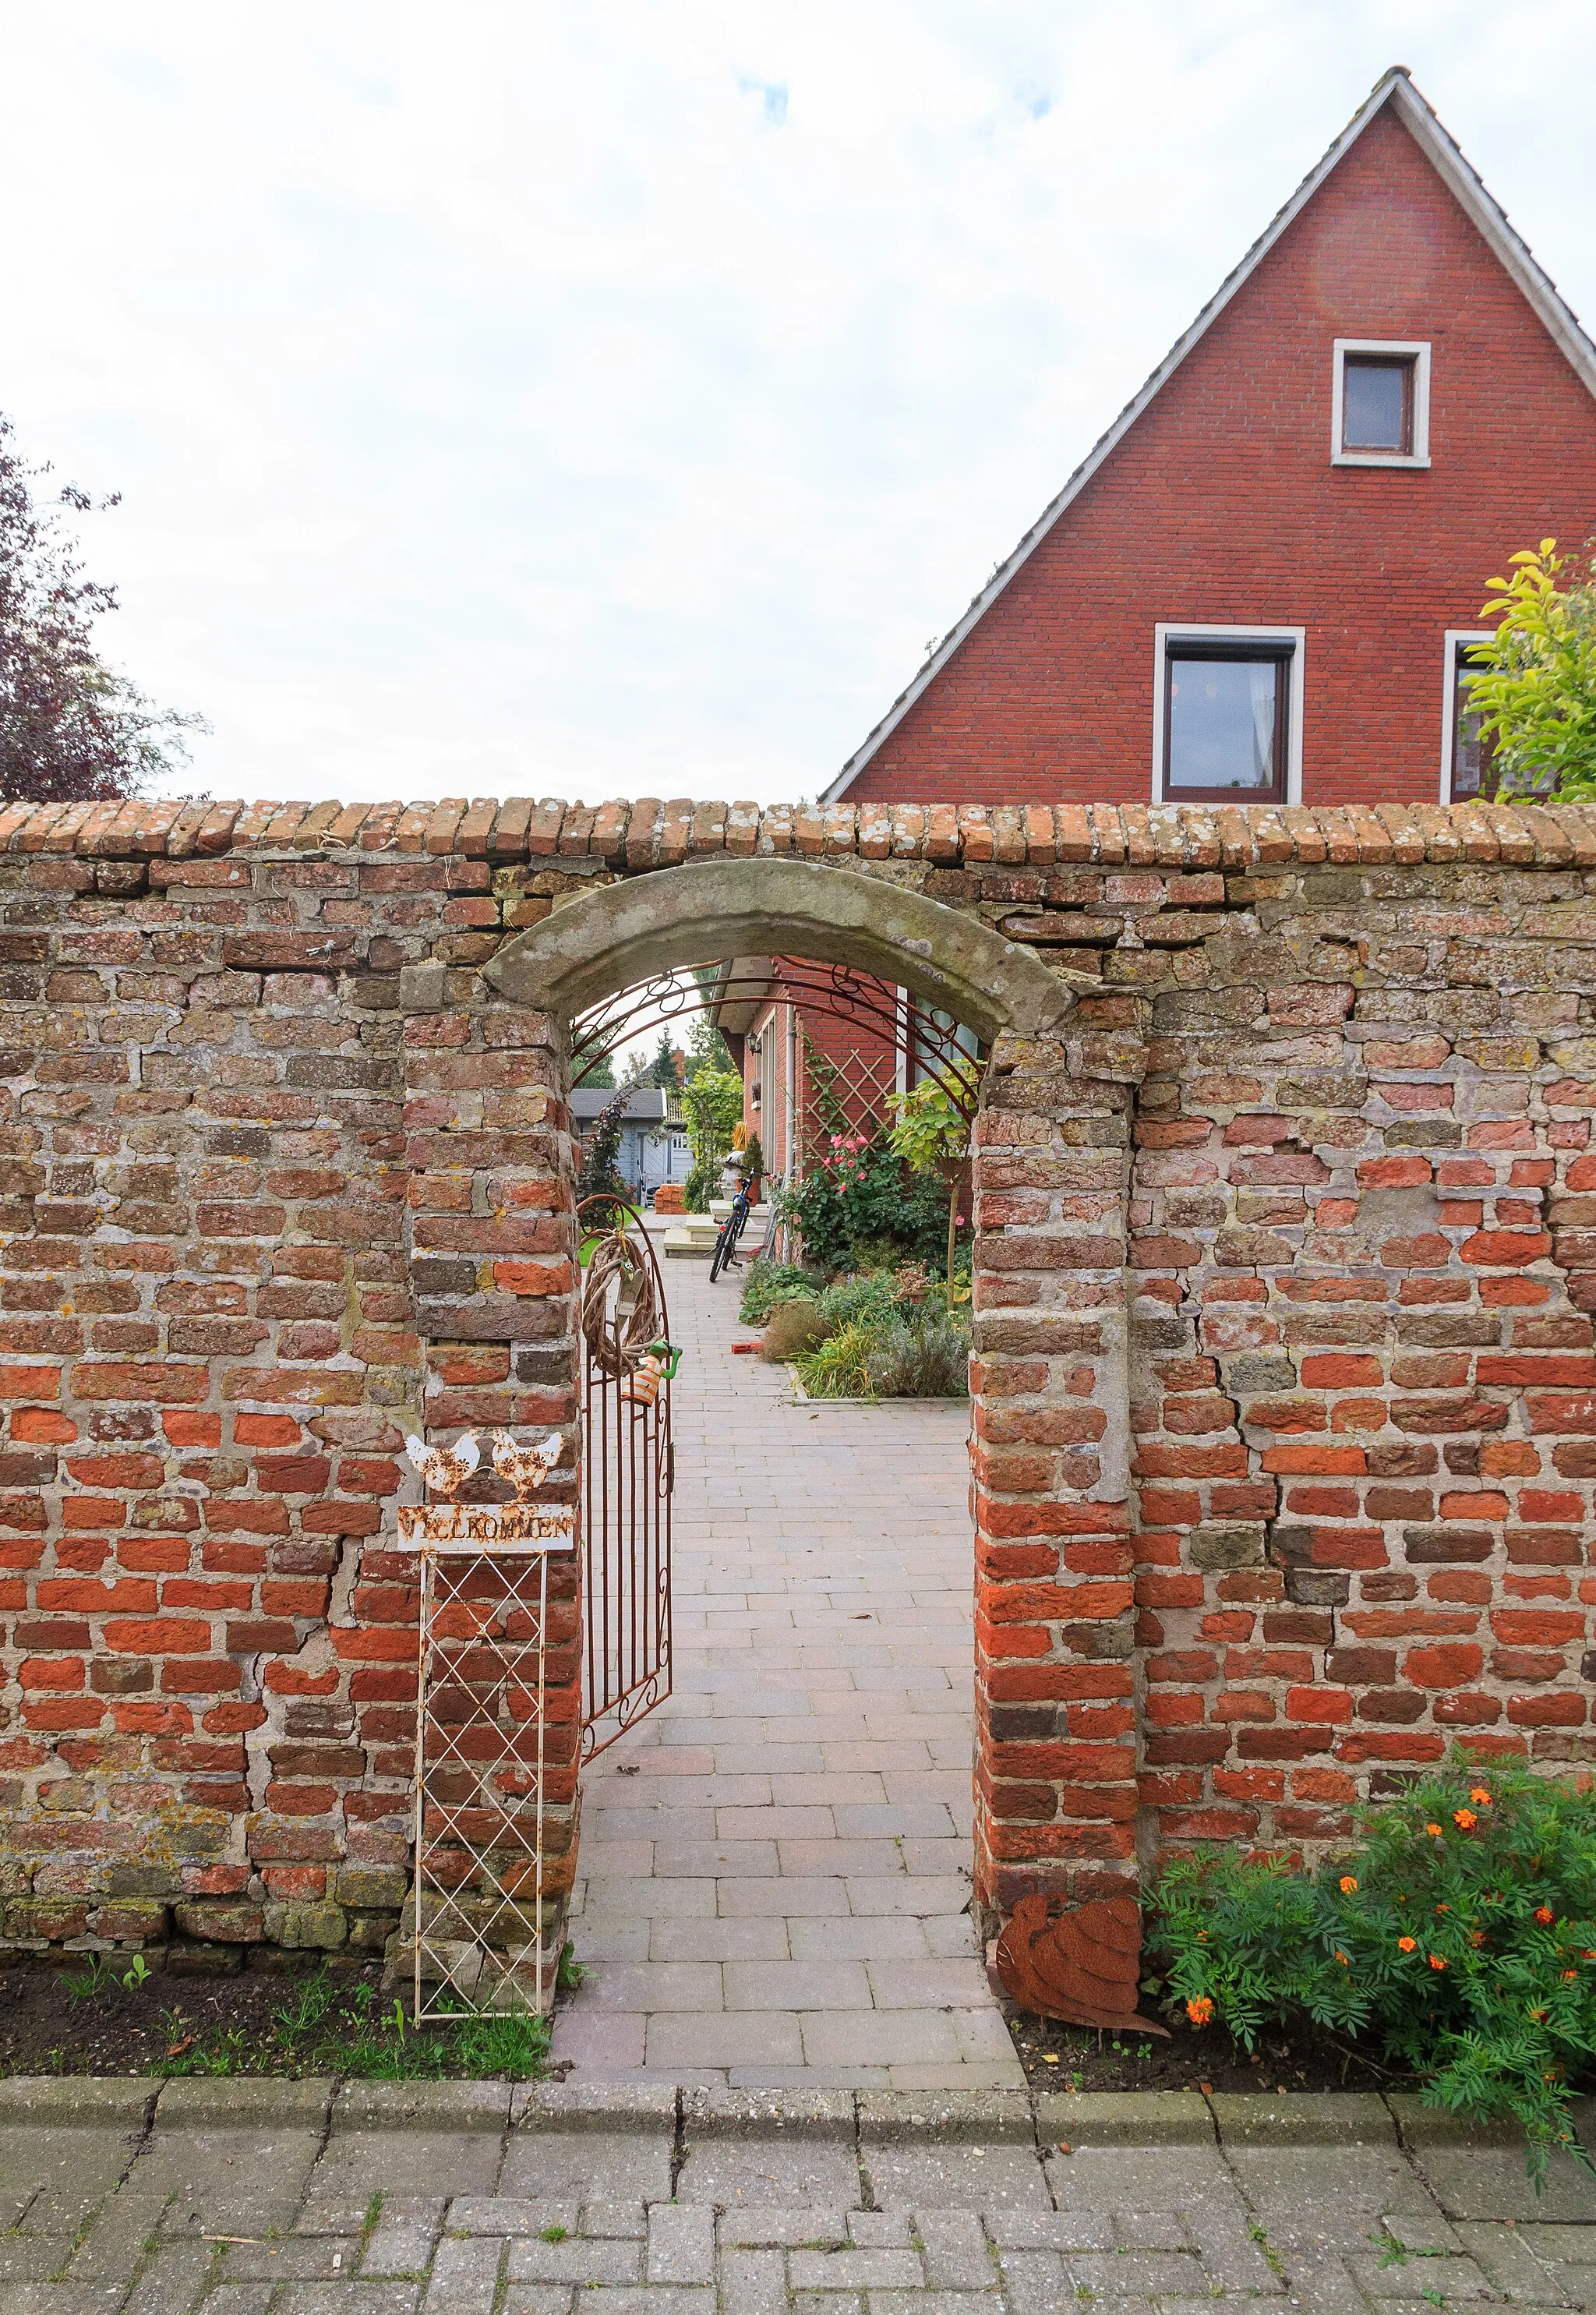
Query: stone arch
x=674, y=918
x=1054, y=1705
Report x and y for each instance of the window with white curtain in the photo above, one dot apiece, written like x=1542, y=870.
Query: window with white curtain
x=1227, y=719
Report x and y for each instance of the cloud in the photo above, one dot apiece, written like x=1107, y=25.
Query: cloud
x=613, y=400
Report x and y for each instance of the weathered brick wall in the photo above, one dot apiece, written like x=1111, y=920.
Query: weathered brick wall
x=284, y=1178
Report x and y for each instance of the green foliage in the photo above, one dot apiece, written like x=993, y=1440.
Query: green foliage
x=602, y=1076
x=839, y=1368
x=753, y=1150
x=1460, y=1939
x=928, y=1361
x=856, y=1196
x=663, y=1068
x=766, y=1283
x=887, y=1337
x=713, y=1105
x=327, y=2025
x=1533, y=685
x=708, y=1053
x=930, y=1131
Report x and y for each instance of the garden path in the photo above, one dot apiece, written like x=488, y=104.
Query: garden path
x=776, y=1863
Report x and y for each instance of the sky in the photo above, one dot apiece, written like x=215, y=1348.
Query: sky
x=615, y=399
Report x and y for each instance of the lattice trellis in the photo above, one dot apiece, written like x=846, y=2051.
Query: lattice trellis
x=480, y=1778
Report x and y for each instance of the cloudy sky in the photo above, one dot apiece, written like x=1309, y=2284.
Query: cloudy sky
x=614, y=398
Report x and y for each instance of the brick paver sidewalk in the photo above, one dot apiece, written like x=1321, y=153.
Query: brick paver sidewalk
x=464, y=2198
x=777, y=1862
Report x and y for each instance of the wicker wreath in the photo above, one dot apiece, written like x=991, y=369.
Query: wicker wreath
x=618, y=1346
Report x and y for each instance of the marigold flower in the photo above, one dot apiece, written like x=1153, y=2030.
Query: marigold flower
x=1347, y=1885
x=1466, y=1818
x=1342, y=1958
x=1569, y=1976
x=1477, y=1936
x=1544, y=1913
x=1436, y=1831
x=1200, y=2009
x=1437, y=1961
x=1406, y=1944
x=1480, y=1797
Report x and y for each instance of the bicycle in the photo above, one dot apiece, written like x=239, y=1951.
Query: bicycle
x=724, y=1256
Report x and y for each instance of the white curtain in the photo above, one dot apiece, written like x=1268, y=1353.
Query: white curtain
x=1263, y=677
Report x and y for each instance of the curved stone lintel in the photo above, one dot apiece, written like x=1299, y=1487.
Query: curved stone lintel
x=674, y=918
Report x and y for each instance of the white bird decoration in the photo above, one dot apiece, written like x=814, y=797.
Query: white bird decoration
x=445, y=1468
x=525, y=1467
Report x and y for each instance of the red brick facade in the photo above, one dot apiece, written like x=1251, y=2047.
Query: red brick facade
x=1284, y=1394
x=1220, y=505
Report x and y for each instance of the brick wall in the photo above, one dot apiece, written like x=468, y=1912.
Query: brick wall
x=1285, y=1266
x=1220, y=505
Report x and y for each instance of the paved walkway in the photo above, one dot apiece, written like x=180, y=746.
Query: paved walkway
x=464, y=2198
x=777, y=1862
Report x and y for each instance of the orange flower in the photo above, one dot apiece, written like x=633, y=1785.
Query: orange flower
x=1477, y=1936
x=1200, y=2009
x=1342, y=1958
x=1347, y=1885
x=1437, y=1961
x=1569, y=1976
x=1466, y=1818
x=1406, y=1944
x=1436, y=1831
x=1480, y=1797
x=1544, y=1913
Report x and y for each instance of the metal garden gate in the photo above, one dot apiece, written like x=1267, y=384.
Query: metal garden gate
x=628, y=1474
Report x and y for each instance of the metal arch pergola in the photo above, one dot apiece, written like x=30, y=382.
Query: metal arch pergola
x=835, y=989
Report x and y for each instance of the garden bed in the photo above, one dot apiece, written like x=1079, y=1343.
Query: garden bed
x=323, y=2018
x=1078, y=2058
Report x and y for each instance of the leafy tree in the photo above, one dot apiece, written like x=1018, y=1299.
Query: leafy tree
x=1533, y=685
x=602, y=1076
x=712, y=1101
x=931, y=1134
x=72, y=731
x=663, y=1069
x=707, y=1050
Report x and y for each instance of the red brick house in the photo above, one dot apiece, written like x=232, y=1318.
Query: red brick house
x=1257, y=585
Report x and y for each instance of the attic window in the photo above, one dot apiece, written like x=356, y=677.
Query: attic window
x=1380, y=404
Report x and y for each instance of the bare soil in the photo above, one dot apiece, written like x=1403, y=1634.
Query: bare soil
x=1078, y=2057
x=318, y=2019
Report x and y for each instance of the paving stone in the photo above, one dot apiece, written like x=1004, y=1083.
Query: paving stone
x=681, y=2244
x=579, y=2258
x=626, y=2219
x=1508, y=2262
x=957, y=2251
x=854, y=2270
x=802, y=2226
x=1318, y=2197
x=927, y=2177
x=882, y=2229
x=355, y=2298
x=401, y=2242
x=172, y=2280
x=1386, y=2278
x=293, y=2258
x=588, y=2166
x=753, y=2283
x=465, y=2277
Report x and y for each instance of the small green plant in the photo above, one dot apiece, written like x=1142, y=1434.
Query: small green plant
x=931, y=1133
x=767, y=1283
x=554, y=2232
x=840, y=1368
x=101, y=1976
x=1460, y=1939
x=569, y=1972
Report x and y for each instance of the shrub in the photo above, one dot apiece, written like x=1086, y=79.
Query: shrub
x=868, y=1295
x=856, y=1197
x=794, y=1328
x=920, y=1362
x=1533, y=685
x=767, y=1283
x=839, y=1368
x=1460, y=1939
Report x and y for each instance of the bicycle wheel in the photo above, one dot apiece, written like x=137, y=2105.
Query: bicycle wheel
x=717, y=1260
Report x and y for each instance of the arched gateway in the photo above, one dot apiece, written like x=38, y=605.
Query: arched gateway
x=1049, y=1177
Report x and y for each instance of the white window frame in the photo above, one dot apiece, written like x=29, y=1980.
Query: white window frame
x=1454, y=638
x=1417, y=350
x=1185, y=631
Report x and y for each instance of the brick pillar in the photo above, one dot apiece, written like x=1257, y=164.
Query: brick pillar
x=1055, y=1716
x=493, y=1261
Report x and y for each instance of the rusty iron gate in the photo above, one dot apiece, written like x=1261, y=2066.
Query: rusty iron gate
x=628, y=1474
